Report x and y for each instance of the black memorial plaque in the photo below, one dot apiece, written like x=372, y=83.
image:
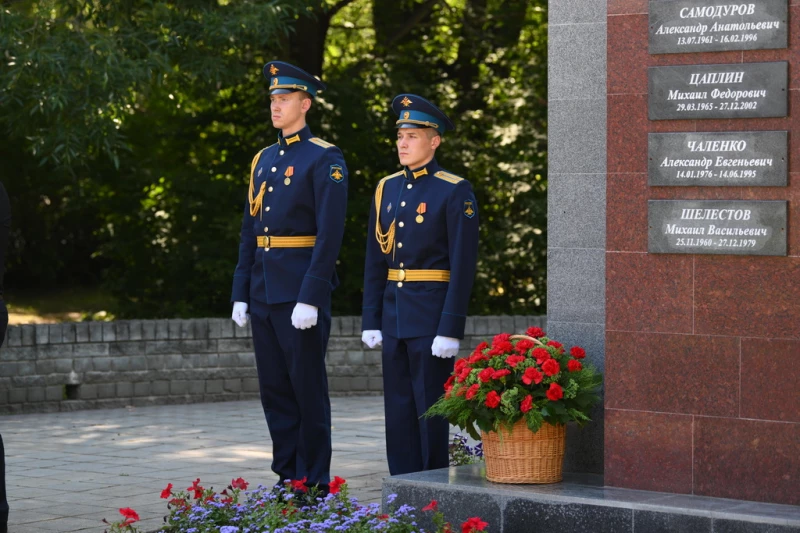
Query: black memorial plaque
x=744, y=158
x=736, y=227
x=678, y=26
x=734, y=90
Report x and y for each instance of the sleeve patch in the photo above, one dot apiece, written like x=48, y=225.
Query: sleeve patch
x=469, y=208
x=336, y=173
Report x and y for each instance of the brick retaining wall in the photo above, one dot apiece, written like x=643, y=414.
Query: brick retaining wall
x=85, y=365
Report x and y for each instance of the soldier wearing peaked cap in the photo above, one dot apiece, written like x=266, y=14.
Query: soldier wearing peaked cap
x=292, y=230
x=422, y=245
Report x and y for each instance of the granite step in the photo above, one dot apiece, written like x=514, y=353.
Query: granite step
x=581, y=503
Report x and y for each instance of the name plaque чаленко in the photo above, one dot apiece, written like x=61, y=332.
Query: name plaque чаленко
x=733, y=90
x=736, y=158
x=678, y=26
x=737, y=227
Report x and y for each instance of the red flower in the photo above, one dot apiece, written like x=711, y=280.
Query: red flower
x=557, y=345
x=555, y=392
x=167, y=492
x=527, y=404
x=476, y=357
x=501, y=348
x=433, y=506
x=226, y=500
x=459, y=365
x=180, y=502
x=492, y=399
x=531, y=375
x=299, y=484
x=383, y=516
x=461, y=391
x=130, y=515
x=485, y=374
x=464, y=373
x=551, y=367
x=533, y=331
x=541, y=355
x=574, y=365
x=336, y=484
x=513, y=360
x=449, y=383
x=473, y=390
x=502, y=338
x=196, y=488
x=473, y=524
x=500, y=373
x=523, y=346
x=239, y=483
x=480, y=348
x=577, y=352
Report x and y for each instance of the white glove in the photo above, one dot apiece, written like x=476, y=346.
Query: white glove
x=372, y=338
x=240, y=315
x=304, y=316
x=445, y=347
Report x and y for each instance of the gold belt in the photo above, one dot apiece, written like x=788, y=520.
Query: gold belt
x=304, y=241
x=418, y=275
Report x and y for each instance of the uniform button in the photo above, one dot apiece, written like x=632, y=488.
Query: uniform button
x=274, y=169
x=407, y=186
x=399, y=284
x=399, y=244
x=281, y=152
x=266, y=230
x=266, y=249
x=267, y=208
x=270, y=189
x=401, y=224
x=402, y=204
x=401, y=265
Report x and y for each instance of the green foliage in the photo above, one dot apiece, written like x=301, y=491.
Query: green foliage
x=532, y=379
x=128, y=128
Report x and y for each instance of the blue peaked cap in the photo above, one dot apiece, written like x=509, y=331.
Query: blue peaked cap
x=414, y=111
x=287, y=78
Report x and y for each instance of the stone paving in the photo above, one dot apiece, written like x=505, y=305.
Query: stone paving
x=67, y=471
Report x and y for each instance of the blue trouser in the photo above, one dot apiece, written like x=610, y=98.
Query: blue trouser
x=294, y=390
x=413, y=379
x=3, y=498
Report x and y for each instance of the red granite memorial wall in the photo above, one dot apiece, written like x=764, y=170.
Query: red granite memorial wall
x=702, y=350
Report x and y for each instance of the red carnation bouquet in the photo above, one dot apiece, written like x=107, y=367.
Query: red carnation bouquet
x=519, y=376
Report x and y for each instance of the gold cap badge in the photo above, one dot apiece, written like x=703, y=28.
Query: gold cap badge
x=405, y=101
x=273, y=69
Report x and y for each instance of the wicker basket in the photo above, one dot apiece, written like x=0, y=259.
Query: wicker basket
x=522, y=456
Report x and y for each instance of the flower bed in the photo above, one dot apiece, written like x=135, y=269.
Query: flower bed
x=288, y=508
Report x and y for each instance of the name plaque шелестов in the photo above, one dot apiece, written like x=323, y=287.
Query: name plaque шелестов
x=679, y=26
x=735, y=227
x=737, y=158
x=731, y=90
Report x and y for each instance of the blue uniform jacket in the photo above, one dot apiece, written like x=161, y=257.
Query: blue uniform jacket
x=445, y=239
x=305, y=193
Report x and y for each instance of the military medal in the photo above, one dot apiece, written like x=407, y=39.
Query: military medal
x=289, y=173
x=421, y=208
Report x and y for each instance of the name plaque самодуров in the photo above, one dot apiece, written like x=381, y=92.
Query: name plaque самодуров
x=738, y=227
x=679, y=26
x=738, y=158
x=731, y=90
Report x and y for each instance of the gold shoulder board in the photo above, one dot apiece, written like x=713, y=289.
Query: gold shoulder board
x=387, y=178
x=320, y=142
x=446, y=176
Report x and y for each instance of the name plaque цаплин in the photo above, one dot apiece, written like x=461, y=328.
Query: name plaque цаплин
x=679, y=26
x=734, y=227
x=738, y=158
x=733, y=90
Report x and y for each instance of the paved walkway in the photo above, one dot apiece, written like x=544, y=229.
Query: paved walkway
x=67, y=471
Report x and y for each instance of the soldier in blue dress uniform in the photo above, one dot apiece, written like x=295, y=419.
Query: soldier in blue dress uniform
x=292, y=230
x=422, y=245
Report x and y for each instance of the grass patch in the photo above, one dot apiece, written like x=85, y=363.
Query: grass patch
x=73, y=304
